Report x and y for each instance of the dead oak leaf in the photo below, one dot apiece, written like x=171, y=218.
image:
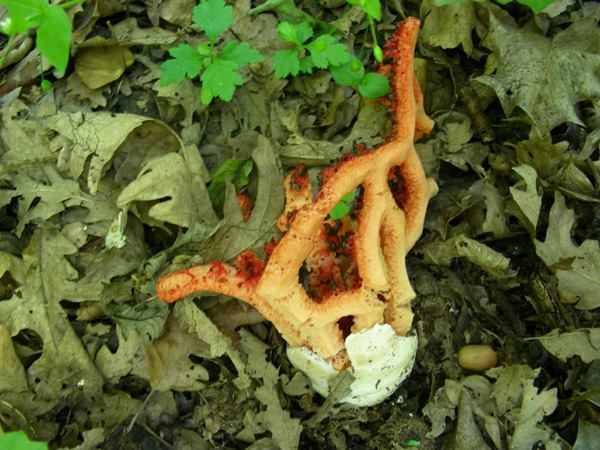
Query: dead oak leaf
x=577, y=268
x=545, y=77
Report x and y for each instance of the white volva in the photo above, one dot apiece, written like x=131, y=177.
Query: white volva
x=380, y=359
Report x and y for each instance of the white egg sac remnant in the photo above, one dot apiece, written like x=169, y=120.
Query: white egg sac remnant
x=380, y=359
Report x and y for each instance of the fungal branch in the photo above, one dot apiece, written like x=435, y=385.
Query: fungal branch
x=356, y=265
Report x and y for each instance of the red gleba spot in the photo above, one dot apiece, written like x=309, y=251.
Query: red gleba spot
x=217, y=269
x=269, y=247
x=245, y=205
x=300, y=179
x=250, y=268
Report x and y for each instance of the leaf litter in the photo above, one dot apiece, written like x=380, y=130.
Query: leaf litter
x=103, y=190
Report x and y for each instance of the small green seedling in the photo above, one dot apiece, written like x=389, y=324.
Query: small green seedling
x=372, y=9
x=53, y=34
x=537, y=6
x=219, y=77
x=18, y=440
x=324, y=51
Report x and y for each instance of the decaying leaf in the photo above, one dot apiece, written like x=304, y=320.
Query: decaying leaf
x=540, y=153
x=511, y=402
x=588, y=435
x=449, y=26
x=64, y=364
x=135, y=314
x=441, y=253
x=13, y=377
x=95, y=138
x=235, y=235
x=583, y=342
x=369, y=129
x=168, y=360
x=98, y=66
x=529, y=199
x=496, y=218
x=169, y=178
x=285, y=430
x=451, y=143
x=43, y=193
x=534, y=407
x=195, y=321
x=577, y=268
x=544, y=77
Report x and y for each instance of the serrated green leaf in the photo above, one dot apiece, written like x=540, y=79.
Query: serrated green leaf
x=240, y=54
x=221, y=77
x=288, y=32
x=298, y=34
x=53, y=37
x=286, y=62
x=326, y=50
x=213, y=16
x=374, y=85
x=187, y=61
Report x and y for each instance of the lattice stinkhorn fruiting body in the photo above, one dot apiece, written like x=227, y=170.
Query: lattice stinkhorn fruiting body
x=354, y=312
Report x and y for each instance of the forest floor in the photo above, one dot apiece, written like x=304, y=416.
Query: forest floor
x=105, y=185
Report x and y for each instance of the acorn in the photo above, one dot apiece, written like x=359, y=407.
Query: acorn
x=477, y=357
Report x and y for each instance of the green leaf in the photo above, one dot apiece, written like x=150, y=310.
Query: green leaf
x=25, y=14
x=286, y=62
x=374, y=85
x=187, y=61
x=306, y=64
x=343, y=73
x=18, y=440
x=206, y=95
x=371, y=7
x=240, y=54
x=54, y=36
x=537, y=6
x=325, y=50
x=214, y=17
x=341, y=209
x=233, y=170
x=297, y=34
x=221, y=77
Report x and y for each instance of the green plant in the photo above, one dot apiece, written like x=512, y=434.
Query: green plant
x=53, y=34
x=219, y=77
x=18, y=440
x=341, y=209
x=233, y=170
x=536, y=6
x=325, y=51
